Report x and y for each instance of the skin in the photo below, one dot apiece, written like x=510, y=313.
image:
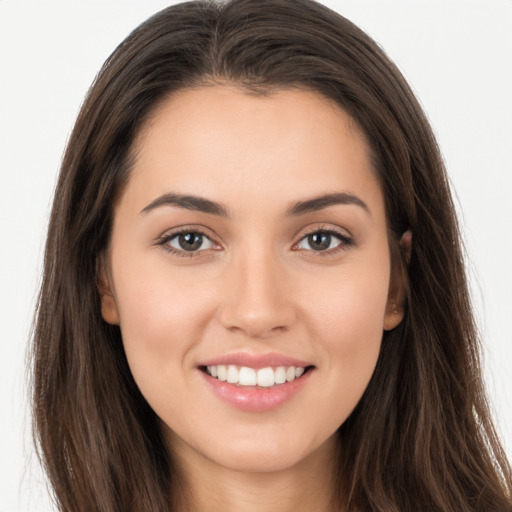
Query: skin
x=257, y=287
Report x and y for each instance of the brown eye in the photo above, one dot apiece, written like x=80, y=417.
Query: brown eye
x=323, y=241
x=190, y=242
x=319, y=241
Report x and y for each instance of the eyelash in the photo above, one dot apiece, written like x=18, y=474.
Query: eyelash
x=164, y=240
x=345, y=241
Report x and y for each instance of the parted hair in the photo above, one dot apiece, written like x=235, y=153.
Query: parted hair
x=421, y=438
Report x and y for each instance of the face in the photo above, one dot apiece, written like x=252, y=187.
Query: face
x=249, y=271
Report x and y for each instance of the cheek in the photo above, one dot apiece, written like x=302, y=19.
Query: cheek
x=346, y=321
x=347, y=308
x=161, y=318
x=156, y=302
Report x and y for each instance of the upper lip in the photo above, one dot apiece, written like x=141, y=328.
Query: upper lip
x=255, y=361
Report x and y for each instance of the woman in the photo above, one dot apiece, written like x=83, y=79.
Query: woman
x=254, y=293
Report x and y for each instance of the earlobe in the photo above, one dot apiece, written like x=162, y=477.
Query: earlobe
x=109, y=310
x=395, y=307
x=394, y=315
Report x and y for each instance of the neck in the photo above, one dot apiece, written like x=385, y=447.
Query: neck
x=208, y=487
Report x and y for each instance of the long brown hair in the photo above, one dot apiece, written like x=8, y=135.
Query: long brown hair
x=421, y=437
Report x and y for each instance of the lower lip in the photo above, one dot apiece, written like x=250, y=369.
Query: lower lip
x=255, y=398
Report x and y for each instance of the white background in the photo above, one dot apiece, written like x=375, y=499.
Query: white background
x=455, y=53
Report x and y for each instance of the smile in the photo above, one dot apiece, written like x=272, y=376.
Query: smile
x=256, y=389
x=263, y=377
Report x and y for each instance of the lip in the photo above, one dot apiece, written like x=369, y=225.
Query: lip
x=256, y=361
x=254, y=398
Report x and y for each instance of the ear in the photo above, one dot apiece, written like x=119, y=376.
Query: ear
x=109, y=310
x=398, y=283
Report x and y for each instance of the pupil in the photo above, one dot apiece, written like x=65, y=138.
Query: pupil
x=190, y=241
x=319, y=241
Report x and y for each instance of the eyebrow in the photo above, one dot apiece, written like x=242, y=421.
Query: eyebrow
x=188, y=202
x=324, y=201
x=201, y=204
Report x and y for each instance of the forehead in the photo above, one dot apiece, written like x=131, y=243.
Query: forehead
x=223, y=143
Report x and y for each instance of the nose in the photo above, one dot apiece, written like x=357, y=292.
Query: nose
x=257, y=301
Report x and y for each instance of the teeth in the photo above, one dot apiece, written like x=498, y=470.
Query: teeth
x=247, y=377
x=222, y=372
x=280, y=375
x=232, y=375
x=264, y=377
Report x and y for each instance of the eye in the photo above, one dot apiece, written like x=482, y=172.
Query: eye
x=323, y=241
x=187, y=241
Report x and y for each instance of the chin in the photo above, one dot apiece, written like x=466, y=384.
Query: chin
x=259, y=460
x=265, y=453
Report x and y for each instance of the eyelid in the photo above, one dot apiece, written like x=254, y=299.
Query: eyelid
x=163, y=240
x=346, y=239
